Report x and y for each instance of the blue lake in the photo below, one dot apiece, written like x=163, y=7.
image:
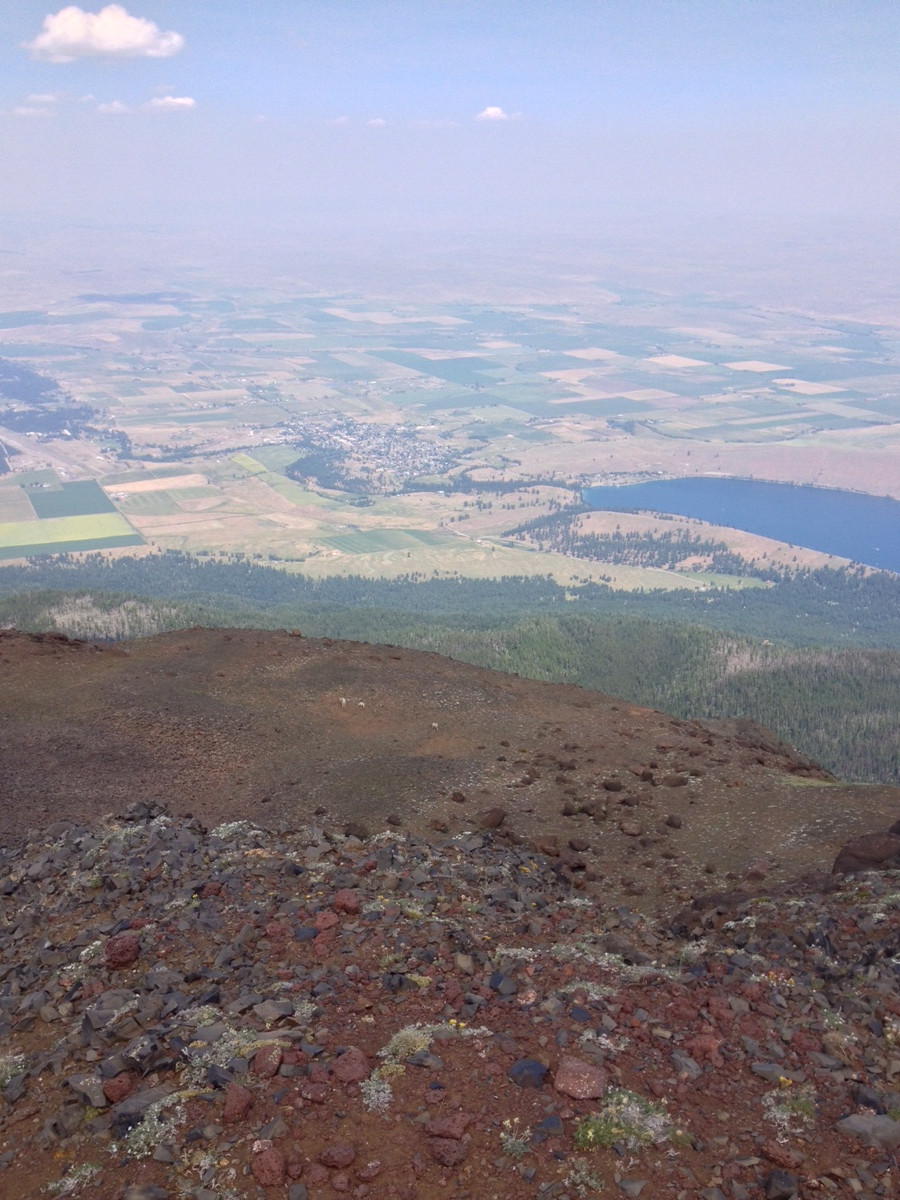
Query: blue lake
x=863, y=528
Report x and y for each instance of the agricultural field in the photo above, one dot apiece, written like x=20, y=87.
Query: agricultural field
x=40, y=514
x=350, y=434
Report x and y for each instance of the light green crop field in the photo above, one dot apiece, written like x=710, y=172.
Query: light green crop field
x=71, y=532
x=253, y=465
x=272, y=458
x=148, y=504
x=299, y=495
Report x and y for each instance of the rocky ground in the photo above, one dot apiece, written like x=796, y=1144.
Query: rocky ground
x=240, y=1013
x=556, y=947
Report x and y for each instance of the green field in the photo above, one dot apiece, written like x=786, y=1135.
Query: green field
x=469, y=372
x=251, y=465
x=149, y=504
x=61, y=535
x=80, y=499
x=373, y=541
x=140, y=476
x=274, y=458
x=296, y=493
x=26, y=479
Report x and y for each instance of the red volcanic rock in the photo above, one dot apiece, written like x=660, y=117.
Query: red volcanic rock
x=548, y=845
x=452, y=1126
x=352, y=1066
x=447, y=1152
x=121, y=951
x=268, y=1168
x=326, y=920
x=338, y=1154
x=119, y=1088
x=369, y=1172
x=580, y=1080
x=266, y=1062
x=346, y=901
x=237, y=1103
x=706, y=1045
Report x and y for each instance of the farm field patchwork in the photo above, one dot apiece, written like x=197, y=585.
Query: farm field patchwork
x=346, y=433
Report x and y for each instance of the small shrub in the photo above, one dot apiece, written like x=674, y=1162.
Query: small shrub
x=512, y=1144
x=73, y=1180
x=11, y=1065
x=627, y=1118
x=582, y=1179
x=408, y=1041
x=377, y=1093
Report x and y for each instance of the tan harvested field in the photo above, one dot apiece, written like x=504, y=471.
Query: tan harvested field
x=594, y=354
x=678, y=360
x=755, y=365
x=159, y=484
x=805, y=388
x=387, y=318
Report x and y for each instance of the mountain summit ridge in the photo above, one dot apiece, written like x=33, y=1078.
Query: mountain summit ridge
x=275, y=727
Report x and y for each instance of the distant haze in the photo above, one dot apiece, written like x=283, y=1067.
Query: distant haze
x=342, y=119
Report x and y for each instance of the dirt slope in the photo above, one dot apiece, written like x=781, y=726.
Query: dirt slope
x=282, y=730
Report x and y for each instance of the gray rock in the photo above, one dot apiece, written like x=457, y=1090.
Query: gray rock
x=769, y=1071
x=90, y=1088
x=528, y=1073
x=879, y=1131
x=781, y=1185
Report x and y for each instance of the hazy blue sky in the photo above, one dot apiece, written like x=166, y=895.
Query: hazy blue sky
x=527, y=113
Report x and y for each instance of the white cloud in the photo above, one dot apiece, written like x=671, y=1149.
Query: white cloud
x=112, y=33
x=376, y=122
x=42, y=98
x=114, y=106
x=29, y=110
x=492, y=113
x=171, y=103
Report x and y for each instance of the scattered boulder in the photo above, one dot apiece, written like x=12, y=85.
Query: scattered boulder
x=528, y=1073
x=352, y=1066
x=237, y=1103
x=338, y=1155
x=121, y=951
x=492, y=818
x=781, y=1185
x=452, y=1126
x=447, y=1152
x=346, y=900
x=579, y=1079
x=268, y=1167
x=266, y=1062
x=874, y=1130
x=871, y=852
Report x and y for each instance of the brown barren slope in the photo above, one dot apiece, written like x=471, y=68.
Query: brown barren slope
x=284, y=730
